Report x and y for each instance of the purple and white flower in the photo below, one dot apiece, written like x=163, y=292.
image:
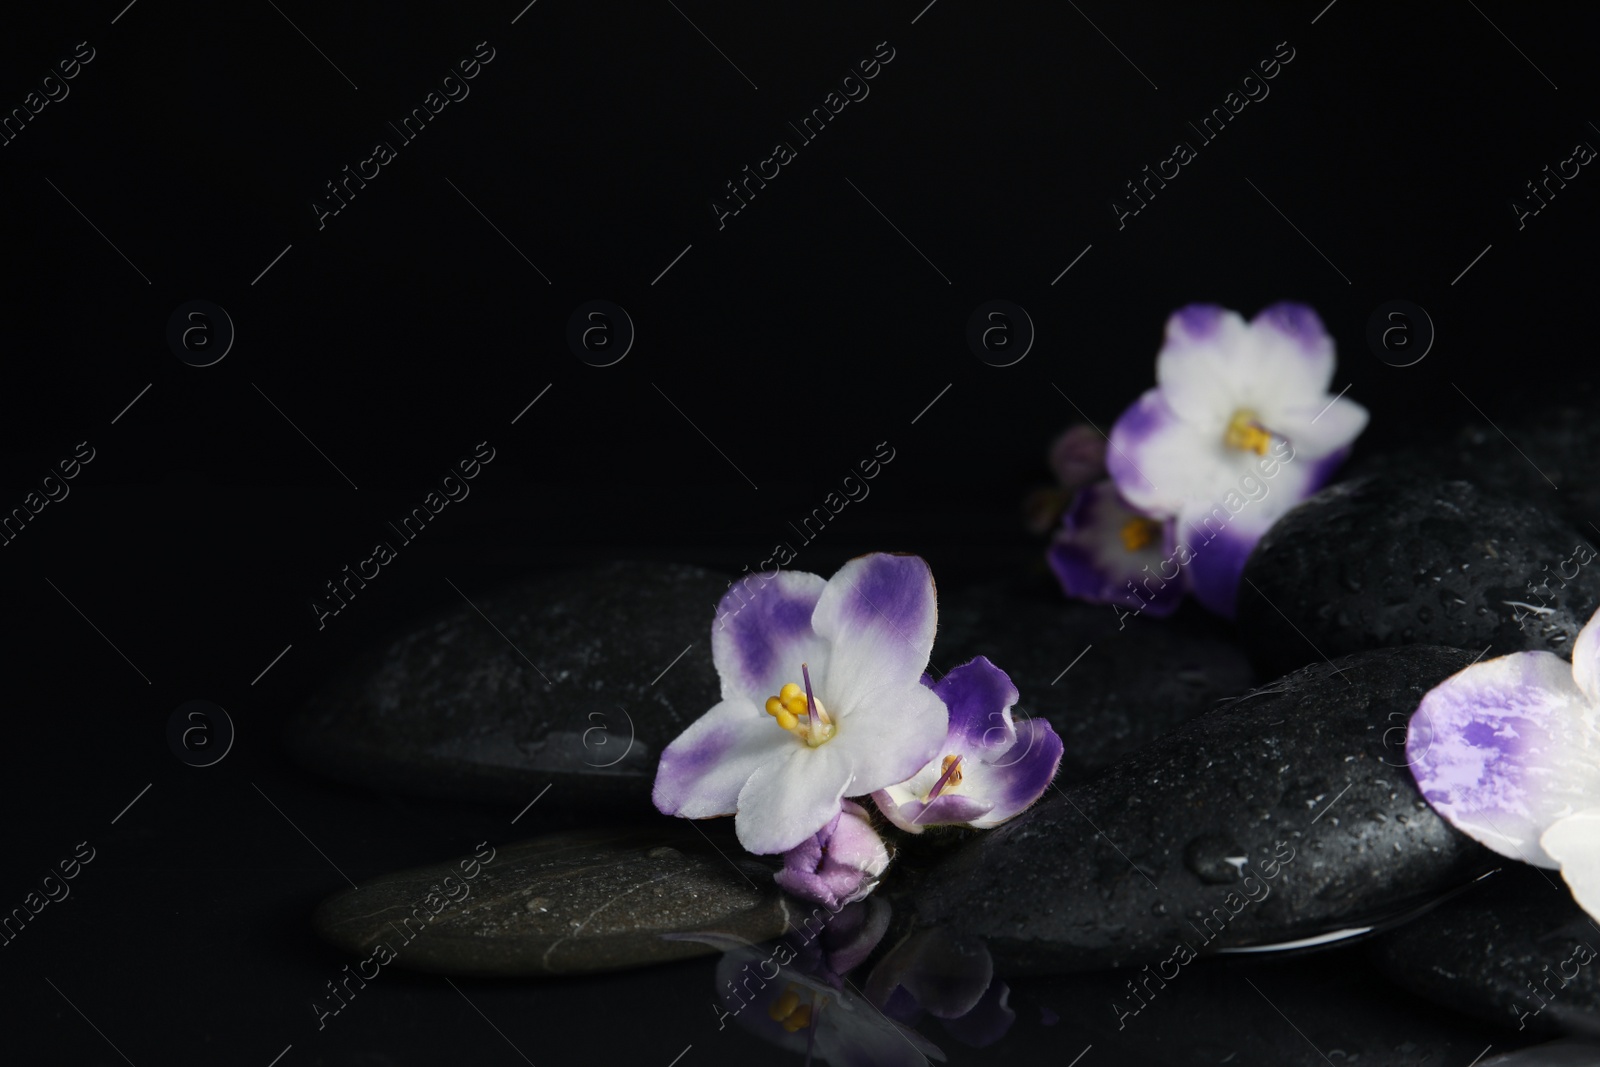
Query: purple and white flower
x=1108, y=553
x=821, y=699
x=839, y=864
x=808, y=1010
x=1236, y=404
x=949, y=976
x=1508, y=751
x=988, y=769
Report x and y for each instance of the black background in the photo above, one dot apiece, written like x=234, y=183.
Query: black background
x=796, y=338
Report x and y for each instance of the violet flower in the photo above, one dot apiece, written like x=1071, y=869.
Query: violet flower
x=988, y=770
x=1108, y=553
x=1077, y=458
x=838, y=864
x=1239, y=429
x=821, y=699
x=1508, y=751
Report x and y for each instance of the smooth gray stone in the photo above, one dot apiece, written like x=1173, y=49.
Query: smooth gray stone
x=566, y=903
x=1507, y=951
x=1378, y=562
x=1106, y=686
x=1307, y=773
x=452, y=708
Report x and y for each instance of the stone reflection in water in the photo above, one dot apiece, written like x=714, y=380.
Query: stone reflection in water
x=808, y=992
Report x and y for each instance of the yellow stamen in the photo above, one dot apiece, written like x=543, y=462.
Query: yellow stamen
x=1139, y=532
x=799, y=1020
x=1246, y=434
x=793, y=713
x=783, y=1007
x=955, y=776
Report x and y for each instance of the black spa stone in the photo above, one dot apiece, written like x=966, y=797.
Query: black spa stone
x=1106, y=684
x=1300, y=787
x=566, y=903
x=1300, y=1009
x=1380, y=561
x=1547, y=458
x=1515, y=950
x=565, y=680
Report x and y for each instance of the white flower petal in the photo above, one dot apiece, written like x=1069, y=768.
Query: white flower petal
x=1504, y=748
x=1586, y=659
x=1199, y=367
x=1318, y=429
x=894, y=732
x=1160, y=461
x=704, y=768
x=1574, y=842
x=878, y=614
x=788, y=799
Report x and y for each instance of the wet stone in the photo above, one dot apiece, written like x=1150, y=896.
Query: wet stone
x=1215, y=858
x=1305, y=778
x=1515, y=950
x=567, y=903
x=1206, y=1014
x=454, y=709
x=1379, y=562
x=1551, y=463
x=1142, y=677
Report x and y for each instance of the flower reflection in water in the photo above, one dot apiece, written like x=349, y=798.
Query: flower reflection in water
x=946, y=976
x=800, y=992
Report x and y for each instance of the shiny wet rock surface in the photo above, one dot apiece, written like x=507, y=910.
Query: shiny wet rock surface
x=574, y=902
x=1299, y=787
x=566, y=678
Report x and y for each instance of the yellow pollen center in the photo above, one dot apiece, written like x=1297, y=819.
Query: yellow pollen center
x=949, y=778
x=789, y=1011
x=793, y=713
x=1139, y=532
x=1246, y=434
x=955, y=776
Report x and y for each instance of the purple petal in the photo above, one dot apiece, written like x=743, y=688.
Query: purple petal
x=837, y=865
x=855, y=933
x=946, y=809
x=878, y=614
x=1196, y=323
x=979, y=696
x=1078, y=456
x=1298, y=325
x=1504, y=748
x=946, y=973
x=1216, y=552
x=763, y=633
x=989, y=1020
x=1093, y=564
x=1019, y=777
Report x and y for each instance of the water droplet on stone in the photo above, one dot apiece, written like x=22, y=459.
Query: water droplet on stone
x=1208, y=857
